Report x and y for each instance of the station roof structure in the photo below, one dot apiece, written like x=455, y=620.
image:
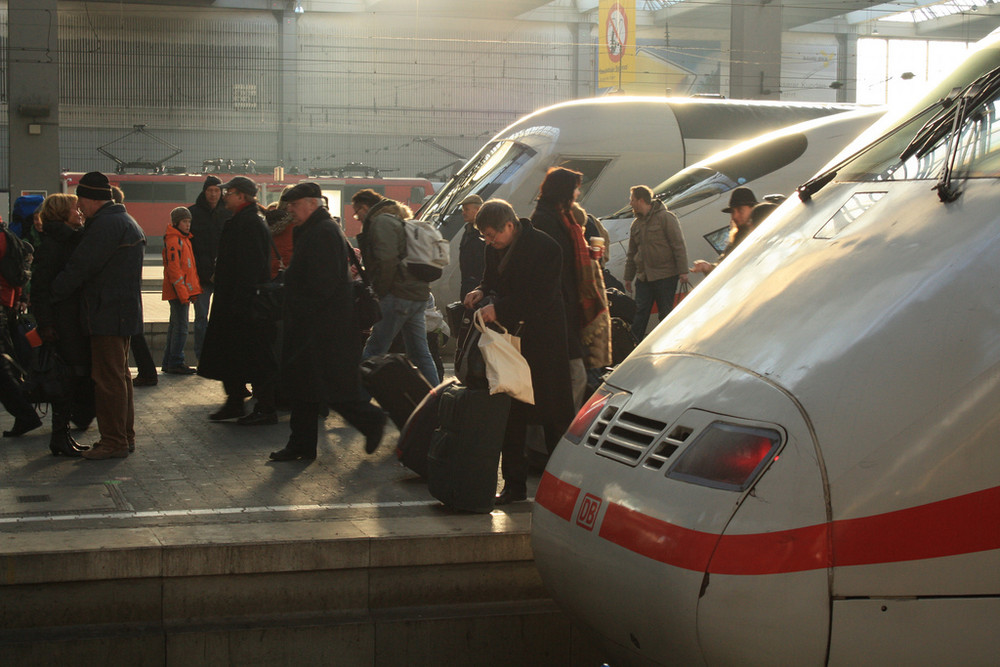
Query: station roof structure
x=923, y=19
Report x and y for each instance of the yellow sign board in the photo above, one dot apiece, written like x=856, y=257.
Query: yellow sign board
x=616, y=34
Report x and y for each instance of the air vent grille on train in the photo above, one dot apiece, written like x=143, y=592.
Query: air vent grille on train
x=627, y=439
x=666, y=447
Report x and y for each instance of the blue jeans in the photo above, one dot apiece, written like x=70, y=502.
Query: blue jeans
x=646, y=292
x=406, y=316
x=177, y=333
x=201, y=317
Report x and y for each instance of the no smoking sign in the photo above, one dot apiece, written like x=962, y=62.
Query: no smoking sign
x=616, y=32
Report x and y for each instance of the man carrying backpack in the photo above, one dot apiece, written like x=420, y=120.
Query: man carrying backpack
x=402, y=297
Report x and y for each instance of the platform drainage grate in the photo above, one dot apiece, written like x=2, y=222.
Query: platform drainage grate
x=43, y=498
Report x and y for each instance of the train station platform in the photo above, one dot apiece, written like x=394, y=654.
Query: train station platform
x=196, y=549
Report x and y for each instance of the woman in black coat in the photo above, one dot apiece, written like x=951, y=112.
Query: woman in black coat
x=522, y=273
x=59, y=322
x=321, y=349
x=553, y=215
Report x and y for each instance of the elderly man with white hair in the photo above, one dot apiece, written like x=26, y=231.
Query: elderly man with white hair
x=322, y=339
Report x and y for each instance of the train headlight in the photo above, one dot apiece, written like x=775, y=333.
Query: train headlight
x=587, y=414
x=727, y=456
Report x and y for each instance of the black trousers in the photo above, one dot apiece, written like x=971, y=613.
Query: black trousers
x=304, y=421
x=513, y=465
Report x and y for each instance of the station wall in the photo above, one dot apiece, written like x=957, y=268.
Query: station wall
x=314, y=90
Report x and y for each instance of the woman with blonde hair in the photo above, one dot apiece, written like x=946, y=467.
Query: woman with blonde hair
x=59, y=322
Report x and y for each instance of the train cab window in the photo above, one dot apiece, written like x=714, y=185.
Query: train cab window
x=591, y=168
x=495, y=165
x=726, y=456
x=974, y=153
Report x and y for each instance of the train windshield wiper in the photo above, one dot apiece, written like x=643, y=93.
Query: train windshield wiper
x=814, y=185
x=968, y=105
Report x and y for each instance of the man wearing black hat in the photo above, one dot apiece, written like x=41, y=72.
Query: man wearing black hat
x=238, y=348
x=321, y=349
x=208, y=216
x=741, y=205
x=107, y=266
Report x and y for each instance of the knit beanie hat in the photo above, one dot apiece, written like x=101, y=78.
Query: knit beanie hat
x=210, y=181
x=94, y=185
x=178, y=214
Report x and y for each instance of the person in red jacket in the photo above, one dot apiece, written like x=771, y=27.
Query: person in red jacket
x=180, y=287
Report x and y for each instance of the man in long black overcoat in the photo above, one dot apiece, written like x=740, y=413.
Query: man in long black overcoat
x=238, y=348
x=321, y=349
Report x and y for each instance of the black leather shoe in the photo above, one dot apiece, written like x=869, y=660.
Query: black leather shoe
x=22, y=426
x=374, y=437
x=228, y=411
x=511, y=495
x=287, y=454
x=62, y=444
x=141, y=381
x=258, y=419
x=180, y=370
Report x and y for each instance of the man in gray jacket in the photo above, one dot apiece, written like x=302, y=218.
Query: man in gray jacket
x=656, y=258
x=107, y=265
x=402, y=297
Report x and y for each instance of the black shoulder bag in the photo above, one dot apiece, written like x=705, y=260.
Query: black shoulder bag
x=365, y=300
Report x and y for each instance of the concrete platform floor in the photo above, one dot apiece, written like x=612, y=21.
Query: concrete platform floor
x=188, y=469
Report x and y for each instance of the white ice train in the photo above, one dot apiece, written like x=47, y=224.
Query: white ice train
x=801, y=464
x=773, y=163
x=615, y=142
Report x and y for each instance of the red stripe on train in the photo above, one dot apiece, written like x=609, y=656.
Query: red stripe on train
x=965, y=524
x=557, y=496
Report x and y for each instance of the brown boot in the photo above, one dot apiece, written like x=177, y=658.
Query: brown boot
x=100, y=451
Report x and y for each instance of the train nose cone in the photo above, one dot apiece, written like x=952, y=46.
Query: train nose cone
x=688, y=511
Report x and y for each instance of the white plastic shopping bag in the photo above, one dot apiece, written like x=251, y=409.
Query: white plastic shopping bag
x=506, y=370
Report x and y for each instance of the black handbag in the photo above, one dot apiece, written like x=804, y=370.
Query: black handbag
x=366, y=304
x=269, y=297
x=470, y=367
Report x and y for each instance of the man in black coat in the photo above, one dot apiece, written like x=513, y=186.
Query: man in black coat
x=523, y=274
x=107, y=266
x=471, y=247
x=321, y=349
x=208, y=217
x=238, y=348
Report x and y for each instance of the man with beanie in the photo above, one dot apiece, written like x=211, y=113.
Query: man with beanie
x=239, y=348
x=208, y=216
x=402, y=296
x=107, y=267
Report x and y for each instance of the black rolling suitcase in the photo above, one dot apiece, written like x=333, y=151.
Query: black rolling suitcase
x=415, y=437
x=395, y=383
x=465, y=450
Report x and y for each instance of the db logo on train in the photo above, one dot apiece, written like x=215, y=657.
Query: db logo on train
x=589, y=508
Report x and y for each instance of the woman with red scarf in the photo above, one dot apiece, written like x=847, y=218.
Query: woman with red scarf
x=587, y=325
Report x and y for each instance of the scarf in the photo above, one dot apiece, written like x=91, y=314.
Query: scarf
x=595, y=322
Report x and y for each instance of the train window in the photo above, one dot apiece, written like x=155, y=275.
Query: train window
x=591, y=169
x=495, y=165
x=976, y=155
x=726, y=456
x=137, y=191
x=700, y=184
